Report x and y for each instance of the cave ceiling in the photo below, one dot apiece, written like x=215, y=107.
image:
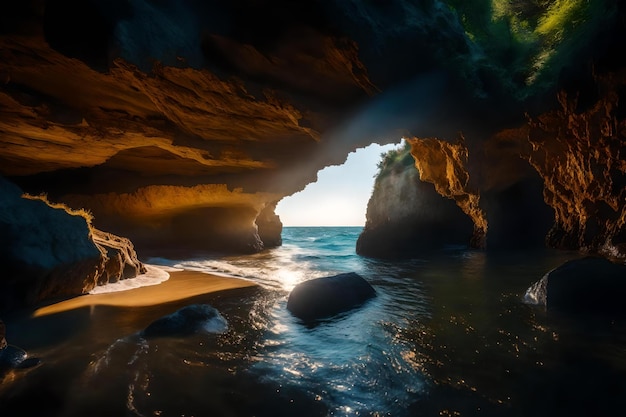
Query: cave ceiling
x=103, y=100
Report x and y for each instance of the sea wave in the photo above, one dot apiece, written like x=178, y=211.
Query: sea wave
x=155, y=274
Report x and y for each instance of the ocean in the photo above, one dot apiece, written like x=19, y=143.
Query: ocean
x=448, y=334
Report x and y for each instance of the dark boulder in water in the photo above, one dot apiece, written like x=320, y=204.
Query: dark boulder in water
x=13, y=357
x=587, y=285
x=324, y=297
x=195, y=318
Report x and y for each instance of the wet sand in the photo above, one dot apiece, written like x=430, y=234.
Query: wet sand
x=181, y=285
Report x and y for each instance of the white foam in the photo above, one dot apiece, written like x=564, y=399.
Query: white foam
x=215, y=325
x=168, y=268
x=155, y=274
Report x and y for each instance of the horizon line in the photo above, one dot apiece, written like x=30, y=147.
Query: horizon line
x=322, y=225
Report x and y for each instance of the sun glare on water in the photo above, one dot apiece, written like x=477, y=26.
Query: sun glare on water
x=289, y=278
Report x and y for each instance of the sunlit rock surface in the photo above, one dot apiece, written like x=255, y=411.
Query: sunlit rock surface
x=492, y=184
x=214, y=138
x=203, y=216
x=444, y=164
x=121, y=260
x=579, y=151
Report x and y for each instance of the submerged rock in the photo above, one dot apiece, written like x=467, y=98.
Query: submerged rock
x=587, y=285
x=327, y=296
x=13, y=357
x=188, y=320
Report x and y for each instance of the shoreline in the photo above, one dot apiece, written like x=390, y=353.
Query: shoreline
x=180, y=285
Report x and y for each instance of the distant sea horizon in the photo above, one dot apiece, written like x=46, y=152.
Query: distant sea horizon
x=325, y=225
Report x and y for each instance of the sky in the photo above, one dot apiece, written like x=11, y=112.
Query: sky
x=340, y=195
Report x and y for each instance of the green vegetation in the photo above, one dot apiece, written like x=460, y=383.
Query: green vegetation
x=525, y=43
x=395, y=160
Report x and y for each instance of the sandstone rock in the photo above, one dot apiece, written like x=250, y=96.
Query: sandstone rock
x=445, y=165
x=188, y=320
x=587, y=285
x=324, y=297
x=175, y=157
x=270, y=227
x=200, y=218
x=406, y=217
x=121, y=258
x=185, y=138
x=579, y=155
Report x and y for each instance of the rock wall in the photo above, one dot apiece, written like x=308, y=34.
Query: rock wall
x=445, y=165
x=406, y=217
x=99, y=139
x=203, y=217
x=558, y=180
x=121, y=261
x=48, y=252
x=186, y=138
x=269, y=226
x=580, y=155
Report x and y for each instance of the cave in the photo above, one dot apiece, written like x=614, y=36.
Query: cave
x=147, y=145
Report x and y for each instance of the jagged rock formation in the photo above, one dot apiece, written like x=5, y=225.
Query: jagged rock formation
x=50, y=252
x=445, y=165
x=181, y=124
x=575, y=155
x=212, y=138
x=579, y=154
x=269, y=226
x=121, y=260
x=129, y=128
x=406, y=216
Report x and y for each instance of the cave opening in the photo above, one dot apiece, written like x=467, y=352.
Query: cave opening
x=339, y=196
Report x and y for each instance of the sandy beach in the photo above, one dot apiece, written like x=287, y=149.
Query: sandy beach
x=180, y=285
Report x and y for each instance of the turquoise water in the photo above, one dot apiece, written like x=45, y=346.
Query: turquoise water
x=447, y=335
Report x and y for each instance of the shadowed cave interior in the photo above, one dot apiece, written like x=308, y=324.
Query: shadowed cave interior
x=137, y=129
